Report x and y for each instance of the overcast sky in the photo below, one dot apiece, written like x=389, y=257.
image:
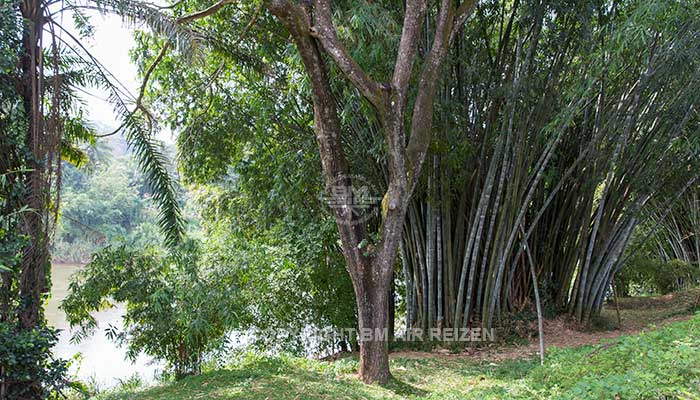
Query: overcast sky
x=110, y=44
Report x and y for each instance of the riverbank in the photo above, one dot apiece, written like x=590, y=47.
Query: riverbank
x=660, y=360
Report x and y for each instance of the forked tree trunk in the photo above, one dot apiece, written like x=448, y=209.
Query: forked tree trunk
x=370, y=265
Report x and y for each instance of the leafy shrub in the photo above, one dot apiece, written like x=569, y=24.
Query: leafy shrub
x=290, y=284
x=677, y=275
x=26, y=361
x=177, y=308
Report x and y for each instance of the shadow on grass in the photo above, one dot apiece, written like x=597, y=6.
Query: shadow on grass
x=403, y=389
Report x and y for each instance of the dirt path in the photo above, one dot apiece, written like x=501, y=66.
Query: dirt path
x=637, y=314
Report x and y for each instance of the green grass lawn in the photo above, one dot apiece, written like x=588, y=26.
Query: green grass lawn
x=659, y=363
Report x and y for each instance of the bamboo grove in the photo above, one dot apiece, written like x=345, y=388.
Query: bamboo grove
x=582, y=125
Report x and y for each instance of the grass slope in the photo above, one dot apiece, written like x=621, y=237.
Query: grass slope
x=659, y=363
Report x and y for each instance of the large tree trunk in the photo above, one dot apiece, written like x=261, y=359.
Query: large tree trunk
x=35, y=257
x=37, y=188
x=370, y=265
x=373, y=320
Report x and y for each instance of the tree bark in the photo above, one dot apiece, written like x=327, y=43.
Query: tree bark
x=373, y=320
x=35, y=255
x=370, y=265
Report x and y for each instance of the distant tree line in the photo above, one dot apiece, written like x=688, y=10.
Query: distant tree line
x=105, y=202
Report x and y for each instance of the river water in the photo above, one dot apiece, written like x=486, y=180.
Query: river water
x=101, y=360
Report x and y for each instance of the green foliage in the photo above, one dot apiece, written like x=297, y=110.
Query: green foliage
x=288, y=285
x=11, y=243
x=178, y=307
x=138, y=12
x=26, y=357
x=246, y=146
x=107, y=204
x=9, y=48
x=646, y=276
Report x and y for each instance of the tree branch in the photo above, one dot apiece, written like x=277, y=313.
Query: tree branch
x=463, y=13
x=324, y=31
x=412, y=25
x=422, y=119
x=204, y=13
x=149, y=72
x=182, y=20
x=328, y=129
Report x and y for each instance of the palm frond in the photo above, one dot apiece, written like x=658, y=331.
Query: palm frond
x=153, y=163
x=182, y=37
x=138, y=129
